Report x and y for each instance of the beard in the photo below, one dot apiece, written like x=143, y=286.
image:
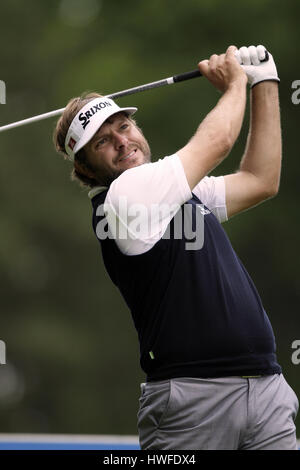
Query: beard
x=105, y=176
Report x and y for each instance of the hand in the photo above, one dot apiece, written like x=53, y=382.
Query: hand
x=223, y=70
x=250, y=59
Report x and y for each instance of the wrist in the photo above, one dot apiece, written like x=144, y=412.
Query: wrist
x=239, y=83
x=268, y=82
x=267, y=91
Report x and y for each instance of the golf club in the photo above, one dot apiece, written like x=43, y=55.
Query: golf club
x=130, y=91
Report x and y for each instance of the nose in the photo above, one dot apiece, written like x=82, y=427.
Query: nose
x=120, y=140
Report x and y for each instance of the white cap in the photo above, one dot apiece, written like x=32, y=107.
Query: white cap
x=88, y=120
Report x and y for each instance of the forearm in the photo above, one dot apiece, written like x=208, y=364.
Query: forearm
x=215, y=135
x=262, y=155
x=223, y=124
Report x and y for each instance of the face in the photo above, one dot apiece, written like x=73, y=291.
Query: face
x=117, y=146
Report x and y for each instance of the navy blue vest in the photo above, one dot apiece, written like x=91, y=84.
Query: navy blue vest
x=197, y=312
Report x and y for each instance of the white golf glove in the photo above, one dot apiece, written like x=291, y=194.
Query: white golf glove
x=250, y=59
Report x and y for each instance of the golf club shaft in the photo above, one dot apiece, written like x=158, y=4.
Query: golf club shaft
x=148, y=86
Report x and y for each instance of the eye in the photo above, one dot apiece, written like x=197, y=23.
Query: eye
x=124, y=126
x=100, y=142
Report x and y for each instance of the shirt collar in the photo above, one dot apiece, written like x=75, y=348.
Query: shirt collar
x=97, y=190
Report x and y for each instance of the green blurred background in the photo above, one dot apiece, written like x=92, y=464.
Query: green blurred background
x=72, y=351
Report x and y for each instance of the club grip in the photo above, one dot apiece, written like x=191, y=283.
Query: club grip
x=186, y=76
x=266, y=56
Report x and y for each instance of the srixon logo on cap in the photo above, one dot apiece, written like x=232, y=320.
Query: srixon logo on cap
x=84, y=118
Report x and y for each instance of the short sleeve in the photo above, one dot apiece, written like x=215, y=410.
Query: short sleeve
x=211, y=192
x=142, y=201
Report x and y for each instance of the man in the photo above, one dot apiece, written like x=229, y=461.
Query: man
x=206, y=343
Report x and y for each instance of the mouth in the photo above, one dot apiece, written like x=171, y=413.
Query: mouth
x=129, y=155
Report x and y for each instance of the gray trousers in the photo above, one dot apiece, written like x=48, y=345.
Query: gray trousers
x=231, y=413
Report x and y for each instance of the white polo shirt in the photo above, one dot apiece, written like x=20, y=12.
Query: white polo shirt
x=154, y=192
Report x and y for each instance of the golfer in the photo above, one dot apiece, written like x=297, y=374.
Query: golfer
x=206, y=343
